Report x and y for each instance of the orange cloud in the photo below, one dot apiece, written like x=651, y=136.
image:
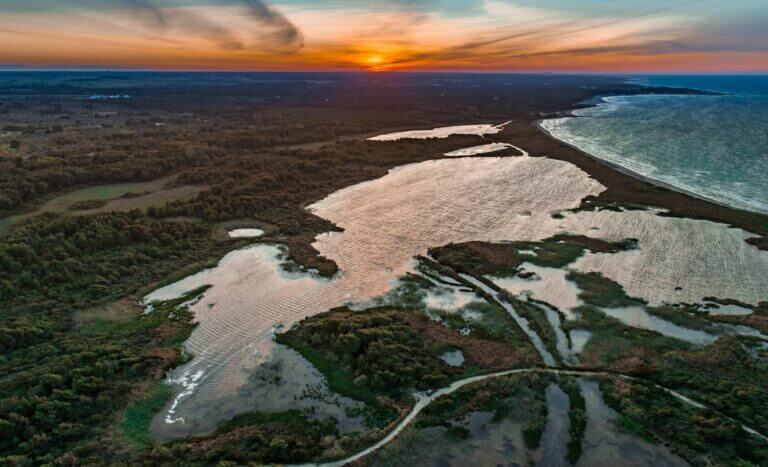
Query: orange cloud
x=504, y=37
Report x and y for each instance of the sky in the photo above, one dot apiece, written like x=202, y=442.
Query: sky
x=633, y=36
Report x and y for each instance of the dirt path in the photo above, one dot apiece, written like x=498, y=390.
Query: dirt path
x=423, y=400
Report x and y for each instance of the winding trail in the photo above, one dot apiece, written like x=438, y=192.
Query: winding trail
x=423, y=400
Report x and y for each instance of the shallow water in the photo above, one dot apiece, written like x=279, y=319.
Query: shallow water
x=448, y=298
x=548, y=284
x=730, y=309
x=701, y=257
x=389, y=220
x=637, y=317
x=553, y=441
x=251, y=296
x=386, y=223
x=605, y=446
x=489, y=443
x=546, y=356
x=477, y=150
x=561, y=340
x=442, y=132
x=281, y=379
x=245, y=233
x=453, y=357
x=579, y=339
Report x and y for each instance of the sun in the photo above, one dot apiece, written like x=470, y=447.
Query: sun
x=375, y=63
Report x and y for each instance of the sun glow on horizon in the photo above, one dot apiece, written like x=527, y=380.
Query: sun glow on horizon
x=496, y=35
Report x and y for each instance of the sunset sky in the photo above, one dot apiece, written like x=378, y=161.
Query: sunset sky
x=483, y=35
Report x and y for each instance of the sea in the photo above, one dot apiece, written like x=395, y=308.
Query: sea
x=711, y=146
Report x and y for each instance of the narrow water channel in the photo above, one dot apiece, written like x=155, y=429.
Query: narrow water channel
x=390, y=220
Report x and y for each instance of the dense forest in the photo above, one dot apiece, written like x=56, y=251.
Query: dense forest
x=79, y=361
x=75, y=347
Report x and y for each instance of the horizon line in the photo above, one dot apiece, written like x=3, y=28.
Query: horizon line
x=63, y=69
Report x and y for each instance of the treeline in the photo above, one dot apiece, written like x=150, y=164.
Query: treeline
x=58, y=397
x=24, y=180
x=367, y=353
x=62, y=382
x=701, y=436
x=76, y=144
x=275, y=186
x=55, y=265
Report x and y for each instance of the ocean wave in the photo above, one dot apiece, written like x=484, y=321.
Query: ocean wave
x=715, y=147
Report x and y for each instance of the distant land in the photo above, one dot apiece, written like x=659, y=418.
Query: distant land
x=383, y=268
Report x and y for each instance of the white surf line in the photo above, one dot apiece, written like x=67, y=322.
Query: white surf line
x=424, y=400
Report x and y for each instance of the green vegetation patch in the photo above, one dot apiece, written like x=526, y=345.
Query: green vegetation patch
x=520, y=398
x=491, y=323
x=368, y=354
x=682, y=315
x=84, y=205
x=539, y=323
x=487, y=335
x=482, y=258
x=619, y=347
x=138, y=416
x=377, y=349
x=408, y=448
x=758, y=319
x=597, y=290
x=261, y=438
x=729, y=376
x=56, y=398
x=700, y=436
x=578, y=419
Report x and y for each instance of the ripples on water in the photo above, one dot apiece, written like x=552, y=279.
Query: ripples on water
x=442, y=132
x=477, y=150
x=389, y=220
x=713, y=146
x=547, y=284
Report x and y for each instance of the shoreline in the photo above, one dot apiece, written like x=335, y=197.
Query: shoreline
x=600, y=99
x=634, y=174
x=626, y=186
x=425, y=400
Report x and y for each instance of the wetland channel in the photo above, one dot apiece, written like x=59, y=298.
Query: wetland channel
x=387, y=222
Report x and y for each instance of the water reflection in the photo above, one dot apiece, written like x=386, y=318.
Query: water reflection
x=605, y=446
x=388, y=221
x=443, y=132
